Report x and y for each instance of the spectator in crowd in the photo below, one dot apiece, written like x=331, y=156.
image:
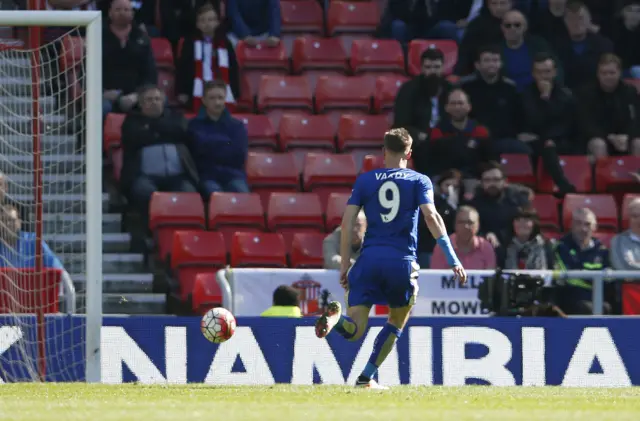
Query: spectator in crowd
x=519, y=48
x=548, y=22
x=426, y=19
x=497, y=202
x=580, y=250
x=6, y=200
x=527, y=247
x=447, y=195
x=155, y=155
x=551, y=124
x=254, y=20
x=626, y=38
x=331, y=244
x=208, y=55
x=419, y=102
x=579, y=53
x=483, y=30
x=456, y=142
x=219, y=144
x=625, y=247
x=495, y=102
x=286, y=303
x=473, y=251
x=18, y=247
x=609, y=110
x=127, y=59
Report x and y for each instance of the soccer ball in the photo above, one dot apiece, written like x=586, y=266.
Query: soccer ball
x=218, y=325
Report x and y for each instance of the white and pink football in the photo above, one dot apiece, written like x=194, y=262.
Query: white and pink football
x=218, y=325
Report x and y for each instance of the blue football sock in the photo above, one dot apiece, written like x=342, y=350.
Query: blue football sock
x=381, y=348
x=346, y=327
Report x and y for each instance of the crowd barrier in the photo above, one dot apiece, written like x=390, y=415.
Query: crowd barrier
x=248, y=292
x=594, y=352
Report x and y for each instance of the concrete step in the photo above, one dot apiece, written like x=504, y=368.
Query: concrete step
x=21, y=105
x=22, y=123
x=125, y=264
x=128, y=303
x=61, y=203
x=118, y=283
x=53, y=184
x=61, y=223
x=51, y=164
x=76, y=243
x=49, y=144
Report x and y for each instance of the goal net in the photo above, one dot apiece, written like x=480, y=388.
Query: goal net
x=51, y=198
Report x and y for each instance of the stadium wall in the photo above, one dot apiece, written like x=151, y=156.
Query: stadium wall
x=451, y=351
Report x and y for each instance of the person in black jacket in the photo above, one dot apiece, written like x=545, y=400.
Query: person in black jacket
x=626, y=37
x=609, y=111
x=495, y=102
x=483, y=30
x=127, y=59
x=414, y=105
x=155, y=157
x=579, y=53
x=551, y=124
x=447, y=196
x=549, y=23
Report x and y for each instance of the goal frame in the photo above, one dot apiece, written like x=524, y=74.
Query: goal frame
x=92, y=22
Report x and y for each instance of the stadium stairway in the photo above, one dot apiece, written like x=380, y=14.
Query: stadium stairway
x=127, y=287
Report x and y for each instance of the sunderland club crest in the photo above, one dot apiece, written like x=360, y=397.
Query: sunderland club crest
x=311, y=295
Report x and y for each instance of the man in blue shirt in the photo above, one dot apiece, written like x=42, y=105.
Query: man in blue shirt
x=386, y=271
x=18, y=248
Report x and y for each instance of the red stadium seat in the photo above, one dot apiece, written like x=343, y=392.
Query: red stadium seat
x=162, y=53
x=547, y=208
x=268, y=172
x=350, y=17
x=206, y=293
x=284, y=92
x=301, y=16
x=321, y=170
x=344, y=93
x=260, y=130
x=417, y=47
x=294, y=210
x=262, y=56
x=169, y=212
x=260, y=249
x=310, y=53
x=603, y=205
x=518, y=169
x=167, y=84
x=231, y=212
x=306, y=250
x=336, y=204
x=364, y=131
x=385, y=92
x=299, y=131
x=371, y=55
x=576, y=168
x=372, y=162
x=71, y=52
x=113, y=130
x=613, y=173
x=194, y=252
x=624, y=209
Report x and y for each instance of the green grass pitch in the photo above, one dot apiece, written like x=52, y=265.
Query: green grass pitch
x=81, y=402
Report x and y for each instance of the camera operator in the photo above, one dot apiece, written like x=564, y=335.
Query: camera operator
x=579, y=250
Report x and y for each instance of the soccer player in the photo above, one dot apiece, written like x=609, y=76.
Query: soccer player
x=386, y=271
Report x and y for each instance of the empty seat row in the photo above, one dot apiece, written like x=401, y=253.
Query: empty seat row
x=229, y=213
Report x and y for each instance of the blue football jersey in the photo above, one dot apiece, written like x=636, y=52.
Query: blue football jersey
x=391, y=198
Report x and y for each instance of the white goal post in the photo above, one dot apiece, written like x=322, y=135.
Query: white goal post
x=90, y=211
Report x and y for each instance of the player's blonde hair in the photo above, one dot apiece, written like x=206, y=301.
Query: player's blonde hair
x=397, y=140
